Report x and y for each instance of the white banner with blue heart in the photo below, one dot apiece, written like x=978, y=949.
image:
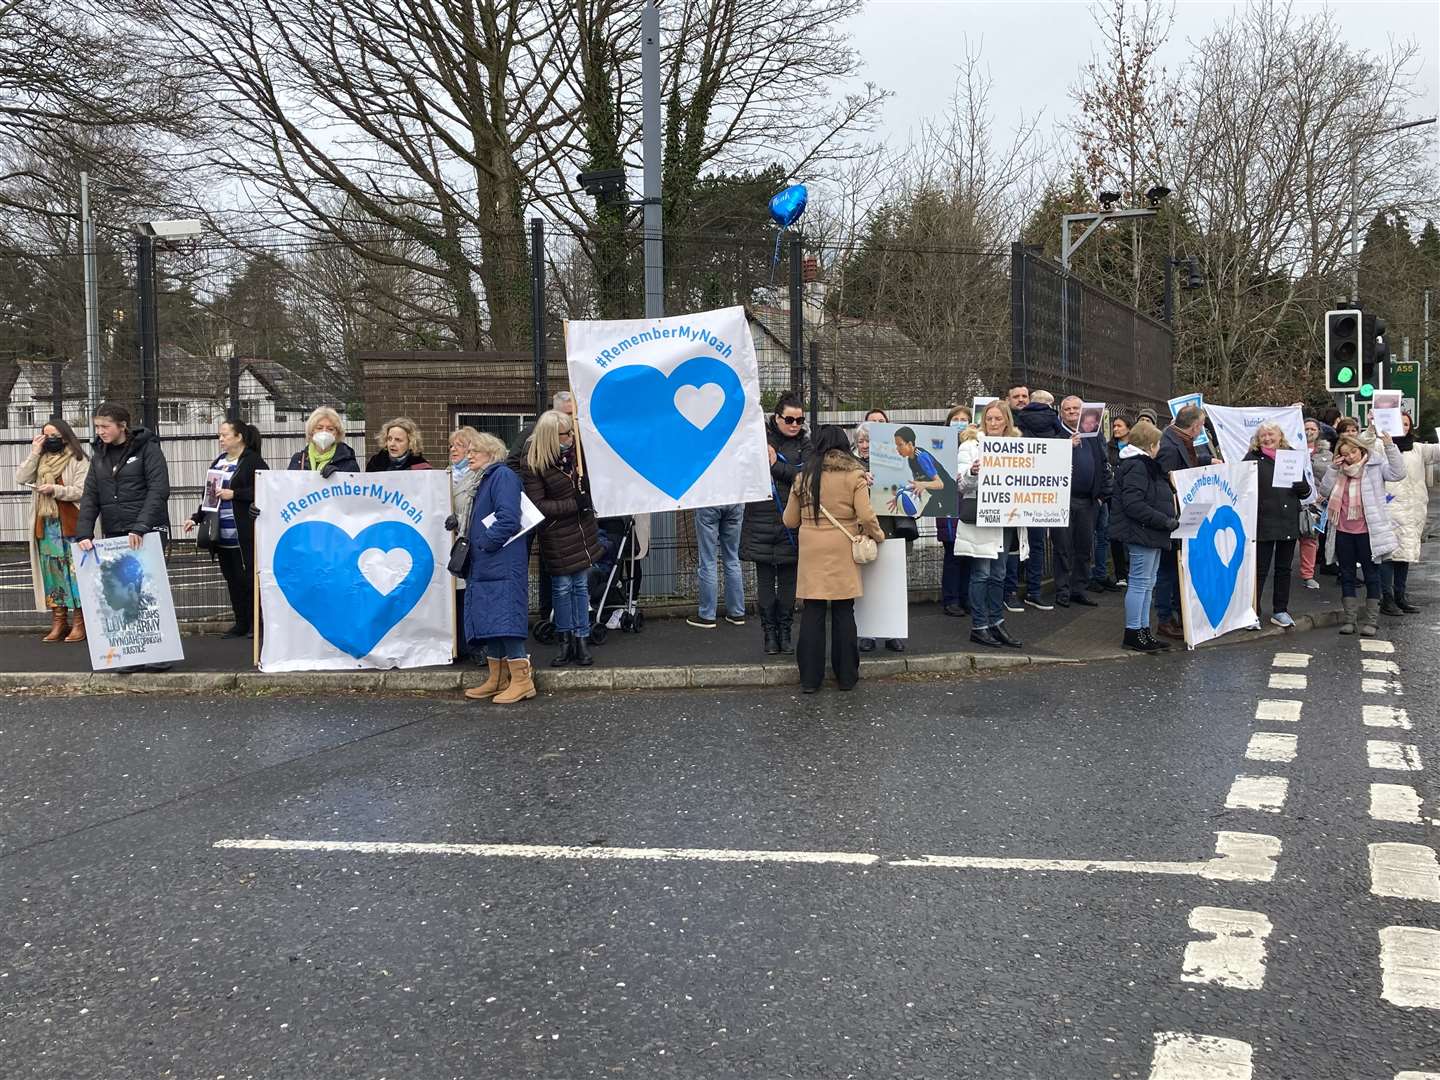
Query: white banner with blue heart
x=353, y=570
x=669, y=411
x=1217, y=566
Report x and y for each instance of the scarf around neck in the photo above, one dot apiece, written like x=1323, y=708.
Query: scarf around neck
x=318, y=460
x=1188, y=442
x=1353, y=495
x=50, y=470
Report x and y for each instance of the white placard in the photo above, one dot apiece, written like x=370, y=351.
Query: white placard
x=1092, y=414
x=883, y=610
x=1198, y=400
x=353, y=570
x=530, y=517
x=214, y=482
x=1385, y=410
x=125, y=595
x=1290, y=467
x=1023, y=482
x=1191, y=517
x=669, y=412
x=1217, y=565
x=977, y=410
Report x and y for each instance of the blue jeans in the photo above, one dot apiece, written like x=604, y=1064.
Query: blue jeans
x=1034, y=566
x=1394, y=576
x=719, y=526
x=570, y=595
x=1140, y=585
x=1167, y=586
x=955, y=579
x=987, y=592
x=505, y=648
x=1100, y=565
x=1350, y=549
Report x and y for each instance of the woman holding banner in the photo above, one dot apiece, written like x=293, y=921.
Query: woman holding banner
x=1277, y=526
x=988, y=548
x=326, y=450
x=54, y=471
x=1359, y=530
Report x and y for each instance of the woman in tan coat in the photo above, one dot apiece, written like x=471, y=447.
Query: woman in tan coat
x=55, y=473
x=829, y=578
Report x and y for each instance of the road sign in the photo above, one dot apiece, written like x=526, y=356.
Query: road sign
x=1404, y=375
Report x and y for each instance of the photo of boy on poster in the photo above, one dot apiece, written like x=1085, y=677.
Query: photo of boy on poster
x=928, y=477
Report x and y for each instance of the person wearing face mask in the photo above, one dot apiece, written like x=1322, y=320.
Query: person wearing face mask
x=1277, y=526
x=1409, y=505
x=55, y=472
x=1319, y=449
x=954, y=569
x=1142, y=518
x=1359, y=531
x=401, y=449
x=234, y=549
x=463, y=480
x=326, y=451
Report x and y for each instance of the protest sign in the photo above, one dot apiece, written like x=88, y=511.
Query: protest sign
x=1091, y=413
x=977, y=409
x=1191, y=518
x=1385, y=410
x=214, y=484
x=914, y=470
x=1289, y=467
x=1235, y=427
x=883, y=610
x=669, y=412
x=1023, y=482
x=1217, y=565
x=129, y=612
x=353, y=570
x=1198, y=400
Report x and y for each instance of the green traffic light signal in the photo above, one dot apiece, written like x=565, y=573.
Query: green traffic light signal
x=1345, y=375
x=1368, y=390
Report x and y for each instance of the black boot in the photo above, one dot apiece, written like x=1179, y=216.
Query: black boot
x=985, y=636
x=580, y=651
x=1405, y=605
x=1153, y=643
x=1389, y=607
x=567, y=649
x=772, y=638
x=1002, y=635
x=1133, y=641
x=782, y=629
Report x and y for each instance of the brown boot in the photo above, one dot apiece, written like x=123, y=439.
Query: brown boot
x=58, y=626
x=499, y=679
x=522, y=684
x=77, y=625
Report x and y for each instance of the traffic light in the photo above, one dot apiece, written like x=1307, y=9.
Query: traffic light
x=1342, y=349
x=1374, y=355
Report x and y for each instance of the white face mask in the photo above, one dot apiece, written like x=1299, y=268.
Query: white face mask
x=323, y=440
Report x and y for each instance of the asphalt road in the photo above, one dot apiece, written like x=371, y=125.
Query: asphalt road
x=132, y=946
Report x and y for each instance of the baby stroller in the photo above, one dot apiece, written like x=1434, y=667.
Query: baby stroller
x=614, y=581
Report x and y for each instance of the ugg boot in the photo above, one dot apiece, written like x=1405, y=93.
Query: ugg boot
x=1351, y=604
x=1388, y=605
x=1370, y=619
x=522, y=683
x=499, y=679
x=1400, y=602
x=58, y=626
x=77, y=625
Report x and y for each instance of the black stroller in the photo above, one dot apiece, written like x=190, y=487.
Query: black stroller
x=614, y=581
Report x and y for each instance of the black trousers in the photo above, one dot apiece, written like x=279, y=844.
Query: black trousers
x=844, y=645
x=1075, y=548
x=775, y=591
x=240, y=583
x=1282, y=553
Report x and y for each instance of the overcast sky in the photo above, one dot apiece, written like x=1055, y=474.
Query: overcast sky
x=1034, y=50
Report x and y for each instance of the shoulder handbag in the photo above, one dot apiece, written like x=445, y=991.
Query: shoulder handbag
x=459, y=561
x=207, y=532
x=905, y=528
x=970, y=509
x=862, y=549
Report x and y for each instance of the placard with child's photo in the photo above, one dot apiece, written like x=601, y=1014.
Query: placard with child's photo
x=914, y=470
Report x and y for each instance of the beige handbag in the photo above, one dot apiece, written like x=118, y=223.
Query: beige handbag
x=862, y=549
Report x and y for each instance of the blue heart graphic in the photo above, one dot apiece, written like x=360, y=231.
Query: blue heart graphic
x=633, y=407
x=317, y=566
x=1212, y=579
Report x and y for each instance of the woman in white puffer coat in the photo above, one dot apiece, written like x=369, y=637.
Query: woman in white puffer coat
x=1409, y=504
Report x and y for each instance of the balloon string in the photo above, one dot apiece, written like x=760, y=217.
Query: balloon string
x=775, y=262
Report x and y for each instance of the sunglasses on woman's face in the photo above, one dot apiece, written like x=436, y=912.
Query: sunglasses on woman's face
x=791, y=419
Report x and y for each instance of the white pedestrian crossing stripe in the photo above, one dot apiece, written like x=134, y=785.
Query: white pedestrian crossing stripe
x=1281, y=710
x=1271, y=746
x=1385, y=716
x=1234, y=955
x=1410, y=967
x=1283, y=680
x=1292, y=660
x=1404, y=871
x=1409, y=1075
x=1182, y=1056
x=1381, y=686
x=1376, y=646
x=1377, y=666
x=1265, y=793
x=1395, y=802
x=1401, y=757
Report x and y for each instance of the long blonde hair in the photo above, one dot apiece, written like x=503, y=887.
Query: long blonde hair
x=545, y=449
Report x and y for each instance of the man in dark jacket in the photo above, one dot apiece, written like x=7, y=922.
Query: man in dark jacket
x=764, y=540
x=1090, y=484
x=1177, y=451
x=128, y=483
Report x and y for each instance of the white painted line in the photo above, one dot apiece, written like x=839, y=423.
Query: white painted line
x=1278, y=710
x=1271, y=746
x=1181, y=1056
x=1406, y=871
x=1381, y=686
x=1377, y=666
x=1409, y=1075
x=1281, y=680
x=1395, y=802
x=1235, y=954
x=1238, y=856
x=1376, y=646
x=1410, y=967
x=1401, y=757
x=1385, y=716
x=1265, y=793
x=1292, y=660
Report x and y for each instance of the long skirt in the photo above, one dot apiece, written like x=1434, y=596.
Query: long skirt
x=57, y=573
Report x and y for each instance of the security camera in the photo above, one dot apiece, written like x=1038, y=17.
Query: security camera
x=608, y=185
x=170, y=230
x=1108, y=199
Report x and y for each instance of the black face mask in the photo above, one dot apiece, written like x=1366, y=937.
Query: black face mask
x=53, y=444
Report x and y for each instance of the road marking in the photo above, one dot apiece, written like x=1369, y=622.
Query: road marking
x=1265, y=793
x=1385, y=716
x=1271, y=746
x=1381, y=686
x=1281, y=680
x=1238, y=856
x=1401, y=757
x=1292, y=659
x=1377, y=666
x=1235, y=954
x=1406, y=871
x=1181, y=1056
x=1408, y=1075
x=1376, y=646
x=1278, y=710
x=1410, y=967
x=1395, y=802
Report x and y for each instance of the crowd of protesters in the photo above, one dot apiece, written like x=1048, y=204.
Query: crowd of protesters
x=1363, y=521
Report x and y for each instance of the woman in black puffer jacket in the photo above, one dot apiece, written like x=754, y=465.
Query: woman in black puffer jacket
x=569, y=541
x=764, y=540
x=1142, y=517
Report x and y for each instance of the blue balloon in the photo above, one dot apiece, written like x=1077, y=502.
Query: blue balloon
x=788, y=205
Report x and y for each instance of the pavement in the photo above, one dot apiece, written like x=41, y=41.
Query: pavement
x=1217, y=865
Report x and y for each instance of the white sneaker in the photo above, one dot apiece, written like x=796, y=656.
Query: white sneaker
x=1311, y=583
x=1282, y=618
x=1254, y=625
x=1122, y=583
